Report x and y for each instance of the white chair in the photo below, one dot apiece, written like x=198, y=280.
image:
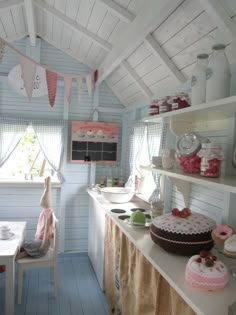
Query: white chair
x=50, y=260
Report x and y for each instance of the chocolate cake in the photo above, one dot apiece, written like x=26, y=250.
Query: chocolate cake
x=183, y=235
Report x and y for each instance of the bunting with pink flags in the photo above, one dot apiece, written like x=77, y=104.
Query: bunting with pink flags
x=52, y=86
x=28, y=69
x=67, y=87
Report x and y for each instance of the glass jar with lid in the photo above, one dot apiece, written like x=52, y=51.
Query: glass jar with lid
x=187, y=147
x=211, y=155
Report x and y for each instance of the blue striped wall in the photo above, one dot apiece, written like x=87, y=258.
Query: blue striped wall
x=22, y=203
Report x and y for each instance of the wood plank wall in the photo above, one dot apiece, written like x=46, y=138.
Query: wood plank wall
x=23, y=203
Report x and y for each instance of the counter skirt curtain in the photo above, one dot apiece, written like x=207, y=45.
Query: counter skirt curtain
x=132, y=285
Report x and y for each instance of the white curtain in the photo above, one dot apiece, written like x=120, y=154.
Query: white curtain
x=11, y=132
x=146, y=140
x=51, y=137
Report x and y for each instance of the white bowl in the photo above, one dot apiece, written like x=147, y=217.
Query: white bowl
x=117, y=194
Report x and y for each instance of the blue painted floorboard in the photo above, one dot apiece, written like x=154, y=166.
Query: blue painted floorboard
x=78, y=290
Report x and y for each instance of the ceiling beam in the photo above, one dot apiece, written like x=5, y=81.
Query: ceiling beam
x=137, y=80
x=153, y=13
x=157, y=50
x=29, y=10
x=73, y=25
x=10, y=4
x=220, y=17
x=118, y=10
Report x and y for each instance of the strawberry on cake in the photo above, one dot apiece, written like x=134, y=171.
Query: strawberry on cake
x=206, y=272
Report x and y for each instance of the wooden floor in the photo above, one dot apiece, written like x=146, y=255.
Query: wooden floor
x=78, y=290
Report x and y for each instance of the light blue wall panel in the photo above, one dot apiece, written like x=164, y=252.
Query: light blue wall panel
x=24, y=202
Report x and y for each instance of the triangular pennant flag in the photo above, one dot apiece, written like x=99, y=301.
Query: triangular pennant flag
x=79, y=86
x=28, y=69
x=67, y=87
x=2, y=46
x=52, y=86
x=95, y=78
x=89, y=83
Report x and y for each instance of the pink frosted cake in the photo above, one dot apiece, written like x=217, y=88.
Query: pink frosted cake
x=206, y=273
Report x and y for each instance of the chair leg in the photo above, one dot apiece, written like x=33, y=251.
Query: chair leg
x=55, y=280
x=20, y=283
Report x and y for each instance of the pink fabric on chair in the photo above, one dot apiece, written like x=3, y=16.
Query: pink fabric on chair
x=41, y=224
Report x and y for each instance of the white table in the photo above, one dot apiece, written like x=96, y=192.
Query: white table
x=8, y=251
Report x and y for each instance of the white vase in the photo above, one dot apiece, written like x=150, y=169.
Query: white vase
x=218, y=74
x=198, y=81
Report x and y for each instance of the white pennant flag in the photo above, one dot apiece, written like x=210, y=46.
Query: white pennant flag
x=28, y=69
x=79, y=86
x=89, y=84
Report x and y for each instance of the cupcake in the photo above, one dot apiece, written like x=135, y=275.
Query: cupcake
x=220, y=234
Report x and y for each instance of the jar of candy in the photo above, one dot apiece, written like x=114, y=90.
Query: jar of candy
x=211, y=155
x=154, y=108
x=179, y=100
x=187, y=148
x=165, y=105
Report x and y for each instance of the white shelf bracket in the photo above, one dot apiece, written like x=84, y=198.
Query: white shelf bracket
x=184, y=188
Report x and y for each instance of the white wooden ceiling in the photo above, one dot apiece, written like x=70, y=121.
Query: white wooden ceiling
x=140, y=47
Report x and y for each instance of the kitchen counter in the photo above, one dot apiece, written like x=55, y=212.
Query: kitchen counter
x=171, y=266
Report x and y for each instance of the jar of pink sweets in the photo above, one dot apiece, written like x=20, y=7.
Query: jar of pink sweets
x=187, y=147
x=179, y=100
x=211, y=155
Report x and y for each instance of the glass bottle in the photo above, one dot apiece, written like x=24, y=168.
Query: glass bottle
x=218, y=74
x=198, y=81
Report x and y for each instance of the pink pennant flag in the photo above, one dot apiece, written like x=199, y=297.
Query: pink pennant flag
x=89, y=84
x=79, y=86
x=52, y=86
x=67, y=87
x=28, y=69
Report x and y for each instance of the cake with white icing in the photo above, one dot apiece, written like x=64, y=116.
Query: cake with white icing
x=185, y=235
x=206, y=273
x=230, y=246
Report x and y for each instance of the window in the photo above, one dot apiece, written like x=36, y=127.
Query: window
x=146, y=141
x=35, y=150
x=27, y=160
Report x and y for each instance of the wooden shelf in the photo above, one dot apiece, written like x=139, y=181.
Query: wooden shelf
x=207, y=116
x=227, y=183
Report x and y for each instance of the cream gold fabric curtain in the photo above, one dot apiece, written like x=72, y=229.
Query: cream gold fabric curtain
x=132, y=284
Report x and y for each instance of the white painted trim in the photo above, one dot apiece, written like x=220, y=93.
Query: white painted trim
x=16, y=37
x=29, y=12
x=153, y=13
x=10, y=4
x=118, y=10
x=220, y=17
x=157, y=50
x=73, y=25
x=138, y=81
x=33, y=51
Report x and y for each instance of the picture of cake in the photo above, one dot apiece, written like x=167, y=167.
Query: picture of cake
x=206, y=272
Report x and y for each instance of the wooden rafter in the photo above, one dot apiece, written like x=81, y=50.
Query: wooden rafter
x=29, y=10
x=220, y=17
x=138, y=81
x=153, y=13
x=157, y=50
x=10, y=4
x=73, y=25
x=118, y=10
